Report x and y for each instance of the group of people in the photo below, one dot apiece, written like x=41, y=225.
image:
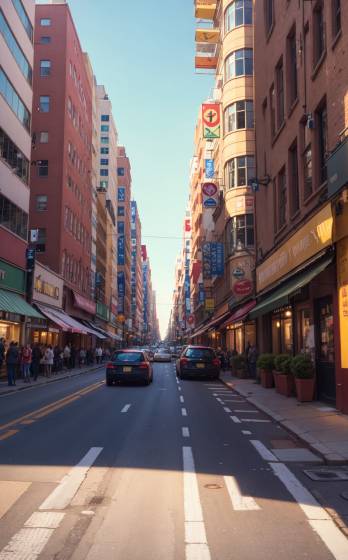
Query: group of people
x=251, y=355
x=29, y=361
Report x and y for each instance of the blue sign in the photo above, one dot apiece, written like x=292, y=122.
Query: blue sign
x=121, y=284
x=217, y=259
x=120, y=228
x=121, y=194
x=209, y=168
x=201, y=293
x=206, y=251
x=121, y=256
x=210, y=203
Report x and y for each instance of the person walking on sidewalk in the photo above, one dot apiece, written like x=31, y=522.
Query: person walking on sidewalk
x=49, y=356
x=26, y=357
x=36, y=356
x=252, y=359
x=2, y=351
x=66, y=356
x=12, y=357
x=98, y=354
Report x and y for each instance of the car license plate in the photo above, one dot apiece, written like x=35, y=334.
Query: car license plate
x=200, y=365
x=127, y=369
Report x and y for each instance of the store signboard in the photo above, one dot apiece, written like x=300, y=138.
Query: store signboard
x=211, y=120
x=209, y=304
x=47, y=286
x=309, y=240
x=342, y=282
x=217, y=259
x=206, y=252
x=12, y=278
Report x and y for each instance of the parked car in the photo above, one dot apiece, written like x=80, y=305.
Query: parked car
x=129, y=366
x=162, y=355
x=198, y=361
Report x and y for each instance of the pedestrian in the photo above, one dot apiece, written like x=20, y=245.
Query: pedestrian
x=49, y=357
x=82, y=357
x=252, y=359
x=26, y=357
x=2, y=351
x=66, y=356
x=98, y=354
x=12, y=357
x=36, y=356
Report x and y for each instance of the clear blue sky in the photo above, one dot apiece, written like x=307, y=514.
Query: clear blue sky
x=143, y=52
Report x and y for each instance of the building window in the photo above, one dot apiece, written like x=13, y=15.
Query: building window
x=104, y=151
x=240, y=12
x=336, y=17
x=13, y=100
x=240, y=233
x=14, y=157
x=40, y=245
x=43, y=137
x=103, y=185
x=272, y=110
x=105, y=118
x=42, y=167
x=318, y=33
x=104, y=162
x=282, y=199
x=239, y=63
x=41, y=203
x=321, y=130
x=293, y=180
x=104, y=140
x=104, y=128
x=45, y=103
x=292, y=68
x=45, y=40
x=13, y=218
x=120, y=210
x=15, y=49
x=239, y=115
x=45, y=22
x=239, y=171
x=120, y=171
x=104, y=172
x=280, y=93
x=45, y=68
x=23, y=16
x=307, y=171
x=269, y=15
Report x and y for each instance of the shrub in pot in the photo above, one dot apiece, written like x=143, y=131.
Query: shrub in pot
x=303, y=369
x=283, y=377
x=265, y=363
x=239, y=366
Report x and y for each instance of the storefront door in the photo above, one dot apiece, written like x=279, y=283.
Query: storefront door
x=325, y=354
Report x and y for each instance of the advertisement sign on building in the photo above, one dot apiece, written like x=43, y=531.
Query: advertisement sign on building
x=209, y=304
x=209, y=168
x=217, y=259
x=206, y=252
x=121, y=194
x=201, y=293
x=210, y=194
x=121, y=256
x=211, y=119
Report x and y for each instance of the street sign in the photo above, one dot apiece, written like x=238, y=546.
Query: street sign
x=209, y=189
x=209, y=168
x=210, y=203
x=243, y=287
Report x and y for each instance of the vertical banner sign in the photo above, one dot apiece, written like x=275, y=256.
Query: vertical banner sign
x=211, y=119
x=217, y=259
x=206, y=250
x=121, y=291
x=121, y=194
x=209, y=169
x=201, y=293
x=121, y=257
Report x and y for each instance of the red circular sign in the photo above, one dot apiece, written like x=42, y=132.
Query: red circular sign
x=243, y=287
x=209, y=189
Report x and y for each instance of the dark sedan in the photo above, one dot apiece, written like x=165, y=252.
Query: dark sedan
x=198, y=361
x=129, y=366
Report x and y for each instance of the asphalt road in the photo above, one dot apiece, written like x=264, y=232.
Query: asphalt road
x=177, y=470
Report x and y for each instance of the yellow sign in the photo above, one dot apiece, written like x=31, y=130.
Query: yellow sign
x=314, y=236
x=209, y=304
x=342, y=281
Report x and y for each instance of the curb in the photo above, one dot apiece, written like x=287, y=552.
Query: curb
x=47, y=381
x=328, y=458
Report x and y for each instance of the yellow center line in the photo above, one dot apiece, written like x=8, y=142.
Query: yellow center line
x=8, y=434
x=52, y=407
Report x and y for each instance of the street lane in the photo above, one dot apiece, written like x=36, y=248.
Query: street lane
x=163, y=485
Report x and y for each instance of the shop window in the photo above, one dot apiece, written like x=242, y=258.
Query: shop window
x=306, y=331
x=282, y=341
x=239, y=115
x=239, y=171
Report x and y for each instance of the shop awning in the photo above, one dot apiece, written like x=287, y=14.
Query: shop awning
x=14, y=303
x=211, y=324
x=100, y=333
x=240, y=314
x=63, y=320
x=281, y=296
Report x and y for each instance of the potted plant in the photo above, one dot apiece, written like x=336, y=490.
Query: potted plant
x=239, y=366
x=265, y=363
x=283, y=377
x=303, y=369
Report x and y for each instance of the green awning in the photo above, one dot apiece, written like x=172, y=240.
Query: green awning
x=13, y=303
x=281, y=296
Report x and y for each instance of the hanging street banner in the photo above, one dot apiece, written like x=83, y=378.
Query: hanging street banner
x=121, y=250
x=201, y=293
x=210, y=193
x=209, y=168
x=206, y=251
x=217, y=259
x=211, y=119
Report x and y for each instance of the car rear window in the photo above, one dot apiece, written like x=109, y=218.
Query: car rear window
x=128, y=357
x=200, y=353
x=163, y=351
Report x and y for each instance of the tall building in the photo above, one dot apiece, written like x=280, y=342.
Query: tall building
x=16, y=77
x=136, y=274
x=301, y=110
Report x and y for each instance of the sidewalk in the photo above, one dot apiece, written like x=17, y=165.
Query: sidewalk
x=321, y=427
x=41, y=380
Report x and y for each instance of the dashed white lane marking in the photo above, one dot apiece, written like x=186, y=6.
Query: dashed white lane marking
x=239, y=502
x=318, y=518
x=226, y=409
x=66, y=490
x=126, y=408
x=179, y=388
x=196, y=547
x=29, y=542
x=254, y=420
x=183, y=412
x=181, y=399
x=185, y=432
x=265, y=453
x=235, y=419
x=218, y=399
x=248, y=411
x=246, y=432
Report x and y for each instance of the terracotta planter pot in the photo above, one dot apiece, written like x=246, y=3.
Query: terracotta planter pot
x=305, y=389
x=276, y=379
x=285, y=384
x=266, y=378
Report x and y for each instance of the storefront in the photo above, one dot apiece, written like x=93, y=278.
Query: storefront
x=297, y=297
x=239, y=330
x=47, y=292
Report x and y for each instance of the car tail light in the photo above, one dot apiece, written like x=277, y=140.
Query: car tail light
x=144, y=365
x=216, y=362
x=110, y=365
x=183, y=361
